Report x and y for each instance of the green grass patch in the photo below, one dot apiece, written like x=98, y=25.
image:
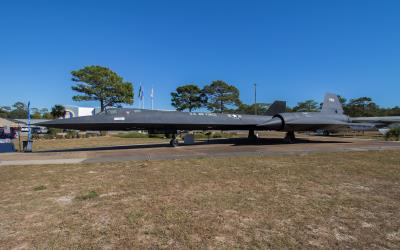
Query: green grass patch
x=393, y=134
x=39, y=188
x=132, y=135
x=215, y=135
x=134, y=217
x=90, y=195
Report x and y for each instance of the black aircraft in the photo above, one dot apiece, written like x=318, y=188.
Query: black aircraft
x=331, y=117
x=160, y=122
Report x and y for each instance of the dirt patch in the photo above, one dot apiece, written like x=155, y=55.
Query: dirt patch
x=54, y=144
x=64, y=200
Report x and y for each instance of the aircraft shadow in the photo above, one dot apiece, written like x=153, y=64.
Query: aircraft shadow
x=269, y=141
x=103, y=148
x=233, y=141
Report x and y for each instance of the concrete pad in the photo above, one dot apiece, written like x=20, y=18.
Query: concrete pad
x=216, y=148
x=41, y=162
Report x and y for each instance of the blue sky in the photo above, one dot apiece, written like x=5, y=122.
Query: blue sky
x=293, y=50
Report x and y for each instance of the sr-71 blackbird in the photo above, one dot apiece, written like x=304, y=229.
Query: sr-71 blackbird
x=331, y=117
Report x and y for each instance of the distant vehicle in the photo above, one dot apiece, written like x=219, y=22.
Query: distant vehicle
x=12, y=134
x=35, y=130
x=25, y=129
x=39, y=130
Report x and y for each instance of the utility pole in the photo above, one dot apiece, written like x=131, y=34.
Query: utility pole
x=255, y=98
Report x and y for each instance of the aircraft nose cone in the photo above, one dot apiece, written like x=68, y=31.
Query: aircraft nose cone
x=273, y=124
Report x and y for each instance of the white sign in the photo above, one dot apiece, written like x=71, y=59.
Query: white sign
x=119, y=118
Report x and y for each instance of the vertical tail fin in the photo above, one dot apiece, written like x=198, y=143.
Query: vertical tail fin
x=332, y=104
x=276, y=107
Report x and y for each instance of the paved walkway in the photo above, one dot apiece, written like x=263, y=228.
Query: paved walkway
x=231, y=147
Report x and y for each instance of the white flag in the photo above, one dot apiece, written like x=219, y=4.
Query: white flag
x=152, y=92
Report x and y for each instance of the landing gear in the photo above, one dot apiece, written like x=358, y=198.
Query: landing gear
x=290, y=137
x=252, y=136
x=174, y=142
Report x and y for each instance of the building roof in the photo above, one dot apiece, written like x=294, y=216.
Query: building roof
x=5, y=122
x=33, y=121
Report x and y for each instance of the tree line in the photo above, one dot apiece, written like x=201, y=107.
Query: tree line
x=98, y=83
x=221, y=97
x=20, y=111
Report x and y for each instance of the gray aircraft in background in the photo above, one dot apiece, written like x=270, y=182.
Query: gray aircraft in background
x=382, y=123
x=331, y=117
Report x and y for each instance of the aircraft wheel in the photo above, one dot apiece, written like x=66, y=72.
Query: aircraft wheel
x=174, y=143
x=252, y=136
x=290, y=137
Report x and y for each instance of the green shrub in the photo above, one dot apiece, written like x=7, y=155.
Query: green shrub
x=207, y=135
x=71, y=134
x=167, y=135
x=92, y=134
x=223, y=135
x=217, y=135
x=132, y=135
x=393, y=134
x=201, y=135
x=53, y=131
x=161, y=136
x=48, y=136
x=35, y=136
x=82, y=135
x=60, y=136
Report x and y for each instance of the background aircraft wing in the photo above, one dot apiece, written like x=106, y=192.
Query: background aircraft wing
x=304, y=124
x=384, y=120
x=310, y=124
x=333, y=125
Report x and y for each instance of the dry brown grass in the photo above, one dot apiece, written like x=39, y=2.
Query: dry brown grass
x=54, y=144
x=337, y=200
x=360, y=135
x=44, y=144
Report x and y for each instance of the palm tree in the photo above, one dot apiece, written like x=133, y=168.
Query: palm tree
x=58, y=111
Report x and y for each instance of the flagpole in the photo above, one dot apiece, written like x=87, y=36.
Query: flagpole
x=152, y=98
x=29, y=121
x=139, y=95
x=142, y=98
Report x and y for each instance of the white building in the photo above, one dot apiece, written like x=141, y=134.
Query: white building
x=75, y=111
